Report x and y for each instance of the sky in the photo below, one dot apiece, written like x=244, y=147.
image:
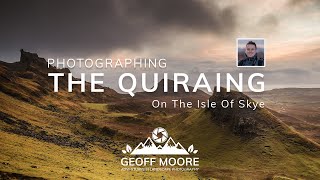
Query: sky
x=194, y=36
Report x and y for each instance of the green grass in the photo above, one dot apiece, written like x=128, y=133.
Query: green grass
x=224, y=154
x=96, y=106
x=104, y=107
x=55, y=162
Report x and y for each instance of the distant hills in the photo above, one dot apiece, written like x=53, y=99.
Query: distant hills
x=297, y=107
x=28, y=80
x=141, y=102
x=168, y=96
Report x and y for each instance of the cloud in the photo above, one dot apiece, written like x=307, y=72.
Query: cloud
x=268, y=23
x=88, y=27
x=299, y=3
x=186, y=14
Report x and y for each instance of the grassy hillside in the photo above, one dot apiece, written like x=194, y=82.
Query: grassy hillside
x=226, y=155
x=79, y=144
x=81, y=135
x=33, y=158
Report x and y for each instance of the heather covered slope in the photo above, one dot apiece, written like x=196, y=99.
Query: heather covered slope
x=244, y=143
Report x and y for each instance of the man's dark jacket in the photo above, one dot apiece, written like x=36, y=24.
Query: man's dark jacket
x=251, y=61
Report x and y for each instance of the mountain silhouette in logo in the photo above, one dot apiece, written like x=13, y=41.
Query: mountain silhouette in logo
x=140, y=146
x=179, y=146
x=170, y=143
x=149, y=143
x=170, y=148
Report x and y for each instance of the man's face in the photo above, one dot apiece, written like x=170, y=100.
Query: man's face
x=250, y=50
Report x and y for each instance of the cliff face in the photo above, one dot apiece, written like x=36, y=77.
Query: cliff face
x=32, y=62
x=31, y=58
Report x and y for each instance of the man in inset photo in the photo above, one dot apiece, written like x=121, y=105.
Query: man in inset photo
x=251, y=54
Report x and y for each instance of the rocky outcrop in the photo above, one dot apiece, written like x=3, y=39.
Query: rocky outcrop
x=28, y=80
x=32, y=62
x=244, y=122
x=31, y=58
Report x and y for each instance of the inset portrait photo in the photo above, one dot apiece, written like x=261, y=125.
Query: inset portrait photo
x=251, y=52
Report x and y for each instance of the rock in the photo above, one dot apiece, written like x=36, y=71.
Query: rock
x=33, y=60
x=244, y=122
